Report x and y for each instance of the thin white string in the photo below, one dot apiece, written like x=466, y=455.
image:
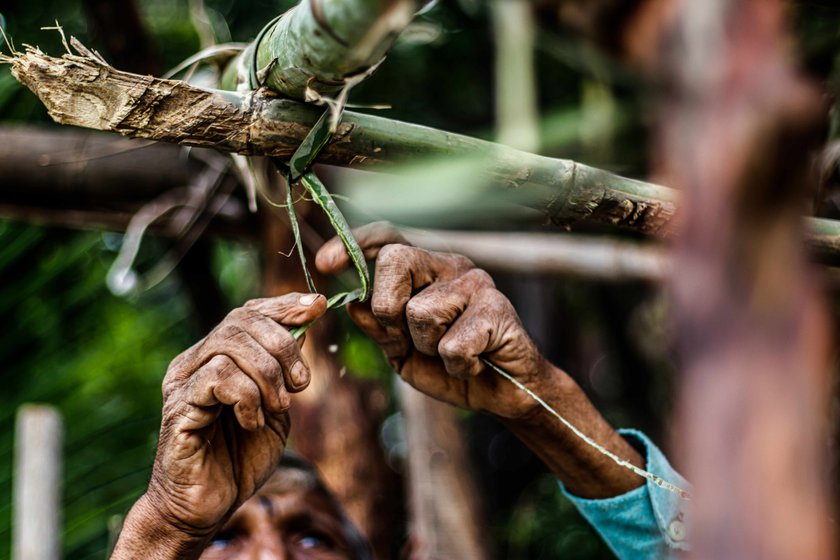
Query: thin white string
x=589, y=441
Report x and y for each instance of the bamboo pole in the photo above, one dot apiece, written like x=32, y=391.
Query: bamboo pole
x=37, y=484
x=551, y=254
x=319, y=47
x=84, y=91
x=258, y=124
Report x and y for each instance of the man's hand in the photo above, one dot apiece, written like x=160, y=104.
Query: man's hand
x=225, y=421
x=435, y=315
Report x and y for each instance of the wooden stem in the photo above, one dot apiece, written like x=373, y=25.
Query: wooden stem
x=37, y=486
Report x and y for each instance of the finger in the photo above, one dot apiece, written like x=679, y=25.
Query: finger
x=401, y=271
x=281, y=345
x=221, y=382
x=484, y=327
x=431, y=312
x=292, y=309
x=233, y=341
x=392, y=340
x=423, y=373
x=333, y=257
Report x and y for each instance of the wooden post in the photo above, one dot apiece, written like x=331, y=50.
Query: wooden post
x=37, y=484
x=445, y=511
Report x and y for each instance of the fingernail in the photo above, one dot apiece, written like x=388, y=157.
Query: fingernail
x=300, y=374
x=308, y=299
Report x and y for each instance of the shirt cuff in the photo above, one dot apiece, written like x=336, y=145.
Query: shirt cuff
x=646, y=522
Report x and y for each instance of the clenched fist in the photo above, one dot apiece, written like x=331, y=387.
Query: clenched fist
x=435, y=315
x=225, y=420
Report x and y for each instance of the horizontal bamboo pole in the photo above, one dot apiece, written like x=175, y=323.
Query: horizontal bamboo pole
x=531, y=253
x=84, y=91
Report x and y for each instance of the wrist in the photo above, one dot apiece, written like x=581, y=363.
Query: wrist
x=553, y=386
x=148, y=532
x=584, y=470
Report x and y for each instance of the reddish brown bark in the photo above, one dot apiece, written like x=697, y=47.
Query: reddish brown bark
x=739, y=127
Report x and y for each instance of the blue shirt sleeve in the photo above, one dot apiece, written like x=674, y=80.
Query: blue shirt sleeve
x=646, y=523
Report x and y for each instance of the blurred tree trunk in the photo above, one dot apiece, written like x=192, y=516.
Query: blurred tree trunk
x=739, y=130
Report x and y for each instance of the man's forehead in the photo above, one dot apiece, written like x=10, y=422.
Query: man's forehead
x=290, y=479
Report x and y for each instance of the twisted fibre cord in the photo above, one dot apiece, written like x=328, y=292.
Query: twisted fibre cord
x=589, y=441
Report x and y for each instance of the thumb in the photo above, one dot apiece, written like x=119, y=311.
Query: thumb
x=293, y=309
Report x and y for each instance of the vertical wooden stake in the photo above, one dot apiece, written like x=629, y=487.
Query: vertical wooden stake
x=445, y=511
x=37, y=484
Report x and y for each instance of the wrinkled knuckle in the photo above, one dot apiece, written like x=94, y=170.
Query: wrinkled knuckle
x=479, y=277
x=284, y=401
x=228, y=331
x=462, y=263
x=283, y=344
x=268, y=366
x=247, y=315
x=253, y=303
x=390, y=254
x=221, y=364
x=421, y=312
x=237, y=314
x=250, y=395
x=385, y=309
x=499, y=303
x=451, y=349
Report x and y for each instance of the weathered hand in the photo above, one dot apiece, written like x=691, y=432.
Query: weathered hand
x=435, y=315
x=225, y=419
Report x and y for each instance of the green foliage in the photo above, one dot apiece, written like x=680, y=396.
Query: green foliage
x=98, y=358
x=545, y=525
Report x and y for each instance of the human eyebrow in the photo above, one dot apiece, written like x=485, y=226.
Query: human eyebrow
x=267, y=505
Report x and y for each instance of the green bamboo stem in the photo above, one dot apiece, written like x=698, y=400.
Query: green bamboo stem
x=319, y=46
x=83, y=91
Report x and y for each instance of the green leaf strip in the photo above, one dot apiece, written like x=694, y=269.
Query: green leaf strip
x=317, y=138
x=338, y=300
x=322, y=197
x=290, y=206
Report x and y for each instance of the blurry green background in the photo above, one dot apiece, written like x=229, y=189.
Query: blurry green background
x=100, y=358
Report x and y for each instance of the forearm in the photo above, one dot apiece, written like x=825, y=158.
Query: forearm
x=583, y=470
x=145, y=534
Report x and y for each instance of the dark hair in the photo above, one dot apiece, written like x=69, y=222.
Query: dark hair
x=358, y=543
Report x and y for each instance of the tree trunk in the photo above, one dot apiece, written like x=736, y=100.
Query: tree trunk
x=739, y=129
